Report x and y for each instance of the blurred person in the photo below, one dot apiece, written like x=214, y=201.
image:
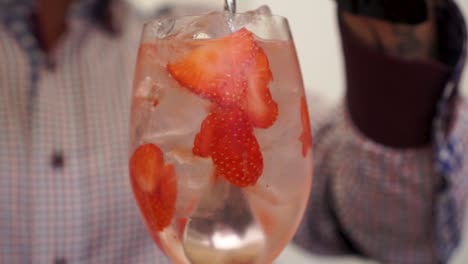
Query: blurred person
x=65, y=76
x=65, y=80
x=391, y=165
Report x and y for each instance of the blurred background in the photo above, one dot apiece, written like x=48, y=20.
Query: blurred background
x=313, y=24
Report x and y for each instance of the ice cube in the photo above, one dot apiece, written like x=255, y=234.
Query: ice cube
x=196, y=171
x=263, y=10
x=158, y=28
x=145, y=88
x=249, y=18
x=218, y=24
x=209, y=26
x=176, y=113
x=150, y=73
x=281, y=147
x=194, y=174
x=140, y=116
x=176, y=119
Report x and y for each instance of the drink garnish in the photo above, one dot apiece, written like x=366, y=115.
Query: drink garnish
x=232, y=72
x=155, y=185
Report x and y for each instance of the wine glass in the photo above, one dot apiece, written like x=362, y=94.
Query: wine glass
x=220, y=142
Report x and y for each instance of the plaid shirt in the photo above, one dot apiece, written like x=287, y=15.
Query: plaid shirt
x=388, y=204
x=64, y=189
x=64, y=192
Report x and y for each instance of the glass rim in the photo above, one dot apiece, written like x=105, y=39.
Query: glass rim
x=155, y=21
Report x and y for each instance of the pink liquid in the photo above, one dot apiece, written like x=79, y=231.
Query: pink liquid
x=218, y=221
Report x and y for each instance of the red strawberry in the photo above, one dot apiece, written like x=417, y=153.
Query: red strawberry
x=306, y=136
x=259, y=104
x=227, y=136
x=236, y=154
x=231, y=121
x=167, y=196
x=181, y=225
x=238, y=159
x=145, y=166
x=232, y=71
x=204, y=140
x=213, y=69
x=155, y=187
x=219, y=122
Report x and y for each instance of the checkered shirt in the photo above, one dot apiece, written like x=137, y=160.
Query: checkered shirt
x=394, y=206
x=64, y=189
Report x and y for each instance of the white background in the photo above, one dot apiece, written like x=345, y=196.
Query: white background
x=313, y=24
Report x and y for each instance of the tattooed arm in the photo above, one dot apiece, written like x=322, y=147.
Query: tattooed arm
x=407, y=41
x=394, y=78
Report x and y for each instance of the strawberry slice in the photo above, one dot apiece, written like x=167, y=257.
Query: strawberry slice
x=227, y=136
x=234, y=73
x=259, y=104
x=306, y=136
x=205, y=139
x=219, y=122
x=145, y=166
x=230, y=71
x=238, y=159
x=181, y=225
x=214, y=69
x=155, y=186
x=167, y=196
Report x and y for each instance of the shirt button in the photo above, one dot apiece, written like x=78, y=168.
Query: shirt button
x=60, y=261
x=57, y=160
x=50, y=64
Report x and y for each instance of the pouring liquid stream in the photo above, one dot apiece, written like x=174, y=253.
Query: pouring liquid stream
x=230, y=10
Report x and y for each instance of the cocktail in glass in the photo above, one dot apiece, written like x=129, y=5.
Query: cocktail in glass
x=220, y=141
